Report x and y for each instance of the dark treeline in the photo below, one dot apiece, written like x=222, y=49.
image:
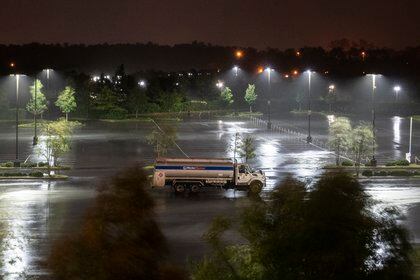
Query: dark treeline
x=342, y=58
x=183, y=77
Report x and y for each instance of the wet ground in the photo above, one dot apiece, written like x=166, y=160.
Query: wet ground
x=36, y=213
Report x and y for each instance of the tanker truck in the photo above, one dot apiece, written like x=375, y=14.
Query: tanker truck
x=195, y=174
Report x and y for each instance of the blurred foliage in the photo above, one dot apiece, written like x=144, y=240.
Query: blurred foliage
x=327, y=232
x=119, y=238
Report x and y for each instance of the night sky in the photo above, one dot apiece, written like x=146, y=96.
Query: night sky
x=263, y=23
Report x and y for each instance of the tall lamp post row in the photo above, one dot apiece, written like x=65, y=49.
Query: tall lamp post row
x=331, y=88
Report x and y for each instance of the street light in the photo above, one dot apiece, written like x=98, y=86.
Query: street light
x=17, y=77
x=397, y=90
x=219, y=84
x=236, y=69
x=47, y=92
x=269, y=70
x=142, y=84
x=239, y=54
x=309, y=138
x=35, y=139
x=373, y=161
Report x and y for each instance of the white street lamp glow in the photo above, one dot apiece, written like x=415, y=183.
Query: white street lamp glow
x=236, y=69
x=142, y=83
x=219, y=84
x=397, y=90
x=331, y=87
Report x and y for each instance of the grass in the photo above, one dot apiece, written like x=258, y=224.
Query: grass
x=32, y=124
x=416, y=118
x=305, y=112
x=379, y=167
x=53, y=168
x=140, y=119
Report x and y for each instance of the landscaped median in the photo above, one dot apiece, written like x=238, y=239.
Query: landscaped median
x=31, y=175
x=412, y=170
x=30, y=171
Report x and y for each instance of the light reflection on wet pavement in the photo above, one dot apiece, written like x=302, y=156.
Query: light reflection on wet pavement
x=36, y=213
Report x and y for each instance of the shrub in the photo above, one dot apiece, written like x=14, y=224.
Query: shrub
x=381, y=173
x=400, y=173
x=116, y=113
x=401, y=162
x=347, y=163
x=367, y=173
x=36, y=174
x=42, y=164
x=7, y=164
x=28, y=164
x=14, y=174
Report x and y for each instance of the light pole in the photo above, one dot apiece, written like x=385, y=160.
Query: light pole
x=35, y=140
x=17, y=162
x=269, y=70
x=397, y=90
x=331, y=90
x=235, y=69
x=373, y=161
x=309, y=138
x=47, y=88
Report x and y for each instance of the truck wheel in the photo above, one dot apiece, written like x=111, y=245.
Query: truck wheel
x=255, y=187
x=179, y=188
x=195, y=188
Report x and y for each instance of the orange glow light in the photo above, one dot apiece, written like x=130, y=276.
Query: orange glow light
x=295, y=72
x=260, y=70
x=12, y=64
x=297, y=53
x=239, y=54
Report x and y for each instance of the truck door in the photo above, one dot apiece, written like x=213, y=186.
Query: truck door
x=243, y=175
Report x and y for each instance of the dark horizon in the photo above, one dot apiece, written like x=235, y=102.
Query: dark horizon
x=246, y=23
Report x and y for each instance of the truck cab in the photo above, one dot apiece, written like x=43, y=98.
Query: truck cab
x=246, y=177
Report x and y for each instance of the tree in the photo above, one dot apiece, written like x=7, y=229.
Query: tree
x=162, y=139
x=226, y=96
x=137, y=101
x=119, y=238
x=66, y=101
x=340, y=136
x=327, y=232
x=37, y=106
x=362, y=140
x=56, y=141
x=247, y=148
x=250, y=96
